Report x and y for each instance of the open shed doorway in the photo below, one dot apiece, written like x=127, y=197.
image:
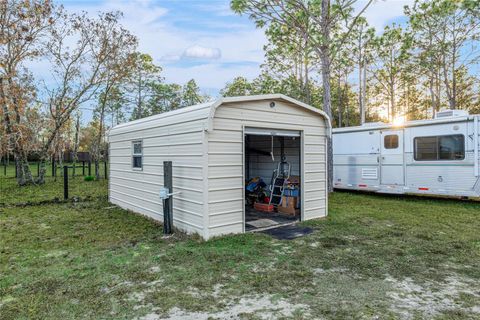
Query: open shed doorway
x=272, y=162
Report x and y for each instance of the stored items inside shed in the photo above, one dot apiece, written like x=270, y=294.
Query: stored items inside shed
x=272, y=178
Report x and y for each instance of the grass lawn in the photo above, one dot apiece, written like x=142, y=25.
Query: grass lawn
x=11, y=194
x=373, y=257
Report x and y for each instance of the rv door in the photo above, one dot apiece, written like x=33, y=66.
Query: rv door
x=391, y=158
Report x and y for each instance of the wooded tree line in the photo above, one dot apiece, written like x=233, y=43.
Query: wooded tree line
x=325, y=53
x=322, y=52
x=411, y=71
x=93, y=64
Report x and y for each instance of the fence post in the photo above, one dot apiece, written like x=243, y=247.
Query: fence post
x=83, y=168
x=4, y=167
x=16, y=168
x=38, y=169
x=168, y=202
x=89, y=167
x=65, y=182
x=105, y=168
x=73, y=170
x=53, y=167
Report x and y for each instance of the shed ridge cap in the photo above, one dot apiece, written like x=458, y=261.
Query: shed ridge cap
x=214, y=104
x=274, y=96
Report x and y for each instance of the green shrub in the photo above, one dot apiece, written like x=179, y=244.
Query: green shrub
x=89, y=178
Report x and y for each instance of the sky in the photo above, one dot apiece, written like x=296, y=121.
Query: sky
x=204, y=40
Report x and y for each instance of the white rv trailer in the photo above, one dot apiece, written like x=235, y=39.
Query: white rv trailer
x=437, y=157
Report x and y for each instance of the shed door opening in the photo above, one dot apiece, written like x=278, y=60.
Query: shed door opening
x=272, y=162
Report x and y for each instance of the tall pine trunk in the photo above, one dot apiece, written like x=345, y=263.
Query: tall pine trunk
x=364, y=94
x=326, y=74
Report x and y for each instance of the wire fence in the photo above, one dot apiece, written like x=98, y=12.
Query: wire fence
x=67, y=181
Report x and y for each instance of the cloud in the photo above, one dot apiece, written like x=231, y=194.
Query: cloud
x=199, y=52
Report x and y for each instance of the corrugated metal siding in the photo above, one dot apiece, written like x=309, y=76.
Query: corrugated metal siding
x=178, y=138
x=225, y=164
x=208, y=165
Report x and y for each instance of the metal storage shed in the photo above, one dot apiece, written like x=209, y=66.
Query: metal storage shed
x=206, y=144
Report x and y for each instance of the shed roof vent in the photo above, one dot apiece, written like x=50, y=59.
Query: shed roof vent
x=450, y=114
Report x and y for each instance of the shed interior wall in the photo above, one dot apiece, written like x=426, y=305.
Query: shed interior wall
x=262, y=165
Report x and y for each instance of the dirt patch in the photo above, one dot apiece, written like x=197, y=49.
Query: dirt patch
x=263, y=307
x=430, y=299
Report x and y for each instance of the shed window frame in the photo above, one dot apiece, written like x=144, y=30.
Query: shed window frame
x=437, y=147
x=390, y=145
x=136, y=155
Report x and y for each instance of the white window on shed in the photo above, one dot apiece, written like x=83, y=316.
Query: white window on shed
x=137, y=155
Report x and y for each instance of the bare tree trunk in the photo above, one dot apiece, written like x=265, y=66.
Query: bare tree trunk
x=24, y=176
x=326, y=74
x=339, y=103
x=432, y=96
x=364, y=94
x=361, y=63
x=453, y=102
x=44, y=154
x=360, y=93
x=392, y=101
x=345, y=101
x=76, y=144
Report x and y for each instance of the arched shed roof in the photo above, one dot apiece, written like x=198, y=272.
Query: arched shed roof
x=207, y=111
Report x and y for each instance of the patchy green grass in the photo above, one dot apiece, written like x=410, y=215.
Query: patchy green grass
x=11, y=194
x=373, y=257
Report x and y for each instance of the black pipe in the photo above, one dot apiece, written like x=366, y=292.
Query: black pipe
x=89, y=168
x=65, y=182
x=105, y=169
x=168, y=202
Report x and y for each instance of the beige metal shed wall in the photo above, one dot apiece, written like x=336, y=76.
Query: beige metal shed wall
x=179, y=139
x=225, y=158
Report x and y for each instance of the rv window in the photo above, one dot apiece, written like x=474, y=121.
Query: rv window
x=390, y=141
x=137, y=155
x=450, y=147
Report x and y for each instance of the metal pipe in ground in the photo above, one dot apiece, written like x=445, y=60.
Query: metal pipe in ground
x=65, y=182
x=168, y=201
x=105, y=169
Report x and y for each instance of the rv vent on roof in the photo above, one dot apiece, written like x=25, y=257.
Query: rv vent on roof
x=450, y=113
